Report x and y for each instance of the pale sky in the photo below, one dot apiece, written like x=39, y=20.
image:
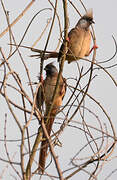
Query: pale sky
x=102, y=88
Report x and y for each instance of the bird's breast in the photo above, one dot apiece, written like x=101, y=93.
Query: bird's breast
x=79, y=45
x=49, y=90
x=85, y=46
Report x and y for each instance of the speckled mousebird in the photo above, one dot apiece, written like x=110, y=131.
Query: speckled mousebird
x=46, y=94
x=78, y=42
x=79, y=39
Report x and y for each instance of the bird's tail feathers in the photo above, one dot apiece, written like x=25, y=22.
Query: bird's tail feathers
x=44, y=144
x=47, y=55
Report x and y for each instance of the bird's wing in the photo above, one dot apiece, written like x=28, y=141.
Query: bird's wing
x=63, y=87
x=40, y=97
x=72, y=33
x=74, y=36
x=60, y=52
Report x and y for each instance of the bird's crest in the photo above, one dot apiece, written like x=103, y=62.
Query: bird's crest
x=89, y=13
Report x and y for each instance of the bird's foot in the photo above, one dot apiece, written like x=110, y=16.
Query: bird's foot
x=93, y=48
x=41, y=79
x=67, y=39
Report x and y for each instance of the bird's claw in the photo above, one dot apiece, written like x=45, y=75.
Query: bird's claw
x=93, y=48
x=41, y=79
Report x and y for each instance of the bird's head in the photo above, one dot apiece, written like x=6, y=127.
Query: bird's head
x=86, y=20
x=50, y=69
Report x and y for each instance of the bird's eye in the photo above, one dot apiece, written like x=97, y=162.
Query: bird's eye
x=84, y=21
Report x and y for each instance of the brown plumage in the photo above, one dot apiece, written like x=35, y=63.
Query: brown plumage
x=46, y=96
x=79, y=39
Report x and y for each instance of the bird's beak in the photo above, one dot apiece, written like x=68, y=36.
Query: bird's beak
x=92, y=22
x=45, y=68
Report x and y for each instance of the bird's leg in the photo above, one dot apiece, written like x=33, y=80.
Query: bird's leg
x=94, y=47
x=41, y=79
x=67, y=39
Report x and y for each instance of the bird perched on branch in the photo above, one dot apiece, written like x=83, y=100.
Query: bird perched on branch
x=79, y=39
x=46, y=93
x=78, y=42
